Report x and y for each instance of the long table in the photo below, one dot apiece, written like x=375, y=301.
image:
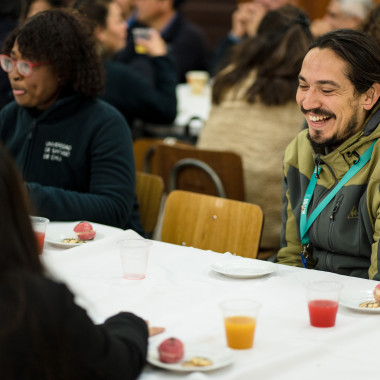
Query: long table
x=182, y=293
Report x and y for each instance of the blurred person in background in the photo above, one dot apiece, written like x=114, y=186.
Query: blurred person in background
x=185, y=41
x=254, y=112
x=125, y=89
x=342, y=14
x=126, y=7
x=31, y=7
x=245, y=22
x=44, y=335
x=9, y=15
x=371, y=24
x=74, y=151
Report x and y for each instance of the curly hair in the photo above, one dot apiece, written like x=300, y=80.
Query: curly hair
x=371, y=25
x=65, y=40
x=276, y=54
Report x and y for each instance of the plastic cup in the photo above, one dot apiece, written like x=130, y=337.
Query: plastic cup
x=240, y=318
x=39, y=226
x=141, y=33
x=134, y=258
x=197, y=81
x=323, y=302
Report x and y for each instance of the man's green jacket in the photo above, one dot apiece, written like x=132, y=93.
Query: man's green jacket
x=345, y=235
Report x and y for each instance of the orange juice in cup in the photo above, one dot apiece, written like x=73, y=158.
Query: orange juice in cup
x=240, y=331
x=240, y=317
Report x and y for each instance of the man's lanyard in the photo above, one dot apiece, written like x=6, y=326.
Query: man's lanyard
x=305, y=223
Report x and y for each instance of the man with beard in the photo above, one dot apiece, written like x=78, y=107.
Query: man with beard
x=331, y=195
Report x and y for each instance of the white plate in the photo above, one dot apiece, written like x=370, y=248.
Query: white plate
x=220, y=357
x=242, y=270
x=354, y=299
x=55, y=238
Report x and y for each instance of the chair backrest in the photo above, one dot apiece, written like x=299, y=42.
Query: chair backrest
x=209, y=222
x=201, y=171
x=144, y=150
x=149, y=189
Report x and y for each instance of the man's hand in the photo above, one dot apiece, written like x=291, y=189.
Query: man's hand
x=154, y=330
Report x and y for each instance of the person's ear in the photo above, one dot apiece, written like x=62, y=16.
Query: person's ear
x=371, y=96
x=99, y=33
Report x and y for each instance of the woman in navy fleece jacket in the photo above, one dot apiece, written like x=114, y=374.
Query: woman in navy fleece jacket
x=75, y=151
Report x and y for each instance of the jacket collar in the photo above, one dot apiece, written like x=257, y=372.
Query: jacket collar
x=357, y=143
x=372, y=121
x=60, y=108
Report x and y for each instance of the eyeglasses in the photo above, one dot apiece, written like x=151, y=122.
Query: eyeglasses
x=23, y=67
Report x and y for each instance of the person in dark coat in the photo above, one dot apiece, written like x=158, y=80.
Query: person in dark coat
x=186, y=41
x=129, y=91
x=44, y=335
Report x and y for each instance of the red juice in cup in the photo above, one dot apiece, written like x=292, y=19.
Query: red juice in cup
x=322, y=313
x=39, y=224
x=40, y=240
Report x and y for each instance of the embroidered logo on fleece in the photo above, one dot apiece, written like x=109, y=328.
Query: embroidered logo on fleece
x=353, y=213
x=55, y=151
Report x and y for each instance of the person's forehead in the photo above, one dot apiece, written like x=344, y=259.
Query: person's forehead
x=324, y=65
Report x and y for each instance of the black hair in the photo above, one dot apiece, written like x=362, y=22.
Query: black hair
x=19, y=264
x=360, y=53
x=96, y=11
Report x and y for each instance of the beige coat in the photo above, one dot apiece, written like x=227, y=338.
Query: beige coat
x=260, y=134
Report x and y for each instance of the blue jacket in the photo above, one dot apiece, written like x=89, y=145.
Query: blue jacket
x=76, y=159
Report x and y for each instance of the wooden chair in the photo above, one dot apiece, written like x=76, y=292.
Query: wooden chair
x=144, y=150
x=202, y=171
x=209, y=222
x=149, y=189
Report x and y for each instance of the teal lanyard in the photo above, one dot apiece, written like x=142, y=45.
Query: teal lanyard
x=305, y=223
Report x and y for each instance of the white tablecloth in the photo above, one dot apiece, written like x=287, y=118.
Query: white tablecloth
x=182, y=293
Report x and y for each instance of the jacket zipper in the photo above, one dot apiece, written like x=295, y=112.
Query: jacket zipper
x=332, y=221
x=318, y=163
x=28, y=148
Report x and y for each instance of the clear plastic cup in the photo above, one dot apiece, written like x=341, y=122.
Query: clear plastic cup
x=134, y=255
x=39, y=226
x=197, y=80
x=240, y=317
x=323, y=301
x=141, y=33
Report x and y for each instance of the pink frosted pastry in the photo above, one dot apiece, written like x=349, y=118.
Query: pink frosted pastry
x=84, y=231
x=376, y=293
x=171, y=350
